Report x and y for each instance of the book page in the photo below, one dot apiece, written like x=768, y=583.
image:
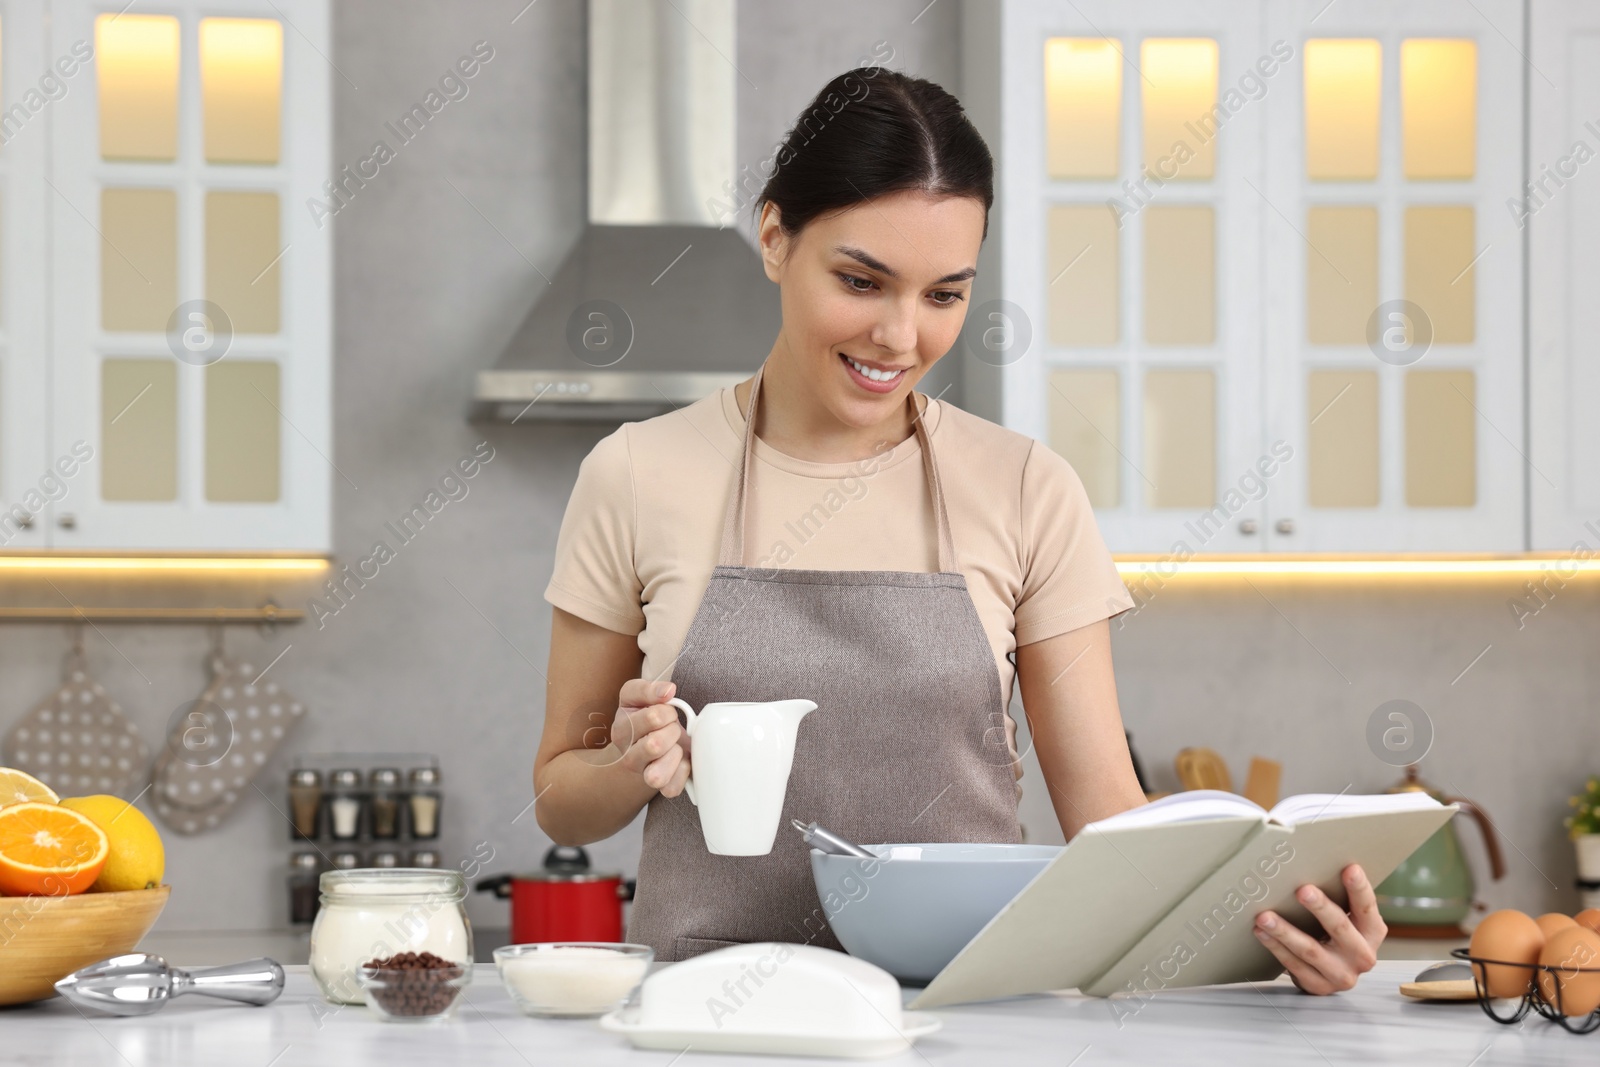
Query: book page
x=1308, y=807
x=1187, y=806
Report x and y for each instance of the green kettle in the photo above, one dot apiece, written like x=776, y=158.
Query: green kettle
x=1432, y=890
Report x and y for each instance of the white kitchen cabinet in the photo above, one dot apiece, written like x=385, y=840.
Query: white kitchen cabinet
x=1188, y=329
x=1560, y=209
x=1144, y=367
x=27, y=480
x=1394, y=147
x=187, y=299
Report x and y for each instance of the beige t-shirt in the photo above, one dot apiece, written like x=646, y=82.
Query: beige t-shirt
x=643, y=527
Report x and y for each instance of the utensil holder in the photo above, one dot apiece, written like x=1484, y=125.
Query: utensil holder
x=1533, y=999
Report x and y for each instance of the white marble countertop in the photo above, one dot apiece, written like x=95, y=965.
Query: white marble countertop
x=197, y=948
x=1255, y=1023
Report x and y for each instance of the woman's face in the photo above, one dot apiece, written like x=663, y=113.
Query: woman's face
x=873, y=295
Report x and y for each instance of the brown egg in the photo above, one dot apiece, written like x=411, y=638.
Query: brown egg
x=1551, y=921
x=1507, y=936
x=1575, y=953
x=1589, y=917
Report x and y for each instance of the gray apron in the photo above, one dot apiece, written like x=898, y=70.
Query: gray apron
x=908, y=742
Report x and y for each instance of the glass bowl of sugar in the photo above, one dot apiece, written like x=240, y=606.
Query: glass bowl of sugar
x=572, y=979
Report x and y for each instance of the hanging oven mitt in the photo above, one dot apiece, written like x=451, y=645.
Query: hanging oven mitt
x=217, y=744
x=77, y=740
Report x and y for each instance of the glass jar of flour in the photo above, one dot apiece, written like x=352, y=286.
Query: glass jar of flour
x=371, y=913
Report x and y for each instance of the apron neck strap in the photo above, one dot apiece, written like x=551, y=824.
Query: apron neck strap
x=733, y=523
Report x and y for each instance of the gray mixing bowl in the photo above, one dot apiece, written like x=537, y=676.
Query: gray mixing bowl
x=914, y=908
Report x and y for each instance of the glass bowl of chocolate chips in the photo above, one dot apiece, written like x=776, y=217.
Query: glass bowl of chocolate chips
x=414, y=987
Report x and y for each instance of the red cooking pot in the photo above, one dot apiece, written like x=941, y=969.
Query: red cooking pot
x=564, y=901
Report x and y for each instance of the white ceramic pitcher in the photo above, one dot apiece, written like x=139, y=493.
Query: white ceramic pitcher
x=739, y=770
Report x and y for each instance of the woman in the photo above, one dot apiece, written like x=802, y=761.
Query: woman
x=823, y=531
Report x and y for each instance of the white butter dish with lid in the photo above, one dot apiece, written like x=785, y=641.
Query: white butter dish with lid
x=772, y=998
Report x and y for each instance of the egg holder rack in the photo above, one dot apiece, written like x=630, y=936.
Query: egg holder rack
x=1532, y=999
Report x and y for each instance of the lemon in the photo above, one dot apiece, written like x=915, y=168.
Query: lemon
x=137, y=859
x=19, y=788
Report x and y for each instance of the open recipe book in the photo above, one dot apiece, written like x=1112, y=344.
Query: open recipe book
x=1165, y=895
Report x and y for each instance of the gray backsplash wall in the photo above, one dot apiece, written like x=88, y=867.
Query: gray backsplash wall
x=437, y=259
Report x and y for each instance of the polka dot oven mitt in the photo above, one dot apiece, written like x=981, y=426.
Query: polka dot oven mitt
x=77, y=740
x=218, y=744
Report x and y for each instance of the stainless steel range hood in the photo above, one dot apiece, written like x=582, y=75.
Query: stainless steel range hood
x=657, y=305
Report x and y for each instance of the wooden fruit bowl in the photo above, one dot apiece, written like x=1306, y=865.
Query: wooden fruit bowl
x=44, y=939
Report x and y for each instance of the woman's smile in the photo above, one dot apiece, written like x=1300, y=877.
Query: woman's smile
x=873, y=377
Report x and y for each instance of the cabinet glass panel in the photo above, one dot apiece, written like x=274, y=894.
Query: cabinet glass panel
x=136, y=58
x=1343, y=87
x=1439, y=257
x=1439, y=107
x=1180, y=99
x=242, y=404
x=1083, y=265
x=243, y=259
x=138, y=258
x=1441, y=439
x=1083, y=106
x=1086, y=428
x=241, y=88
x=1342, y=433
x=1180, y=275
x=1341, y=273
x=1180, y=438
x=138, y=429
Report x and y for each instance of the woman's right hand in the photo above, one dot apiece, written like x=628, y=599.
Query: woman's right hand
x=647, y=733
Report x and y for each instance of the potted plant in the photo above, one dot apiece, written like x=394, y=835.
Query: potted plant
x=1584, y=826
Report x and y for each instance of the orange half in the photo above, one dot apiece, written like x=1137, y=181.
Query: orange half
x=17, y=788
x=48, y=850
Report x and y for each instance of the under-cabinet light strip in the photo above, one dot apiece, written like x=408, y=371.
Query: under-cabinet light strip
x=1165, y=567
x=1563, y=567
x=176, y=564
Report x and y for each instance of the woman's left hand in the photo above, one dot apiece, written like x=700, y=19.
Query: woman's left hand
x=1350, y=947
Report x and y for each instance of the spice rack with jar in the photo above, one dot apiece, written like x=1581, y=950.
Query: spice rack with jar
x=351, y=810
